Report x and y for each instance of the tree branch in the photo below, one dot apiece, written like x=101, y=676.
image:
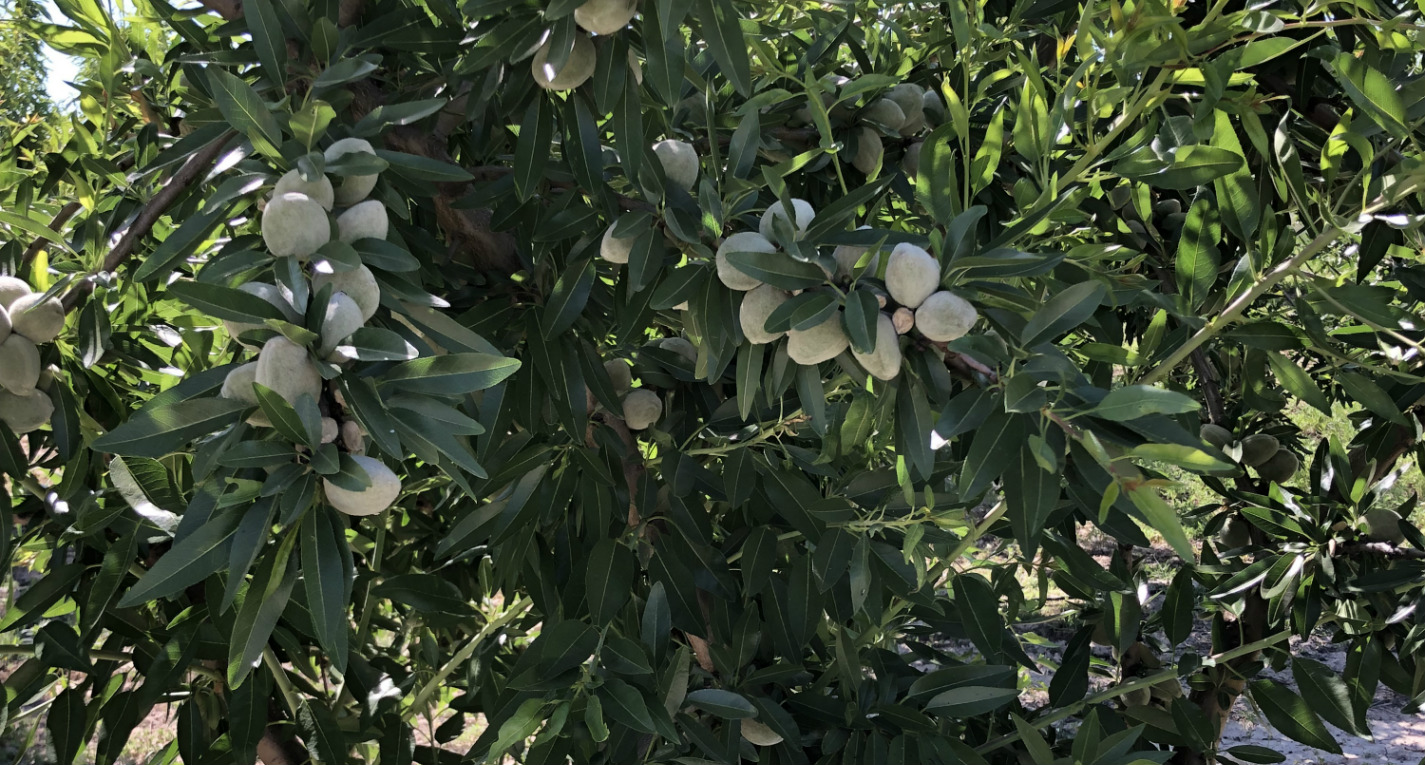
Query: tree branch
x=60, y=218
x=151, y=212
x=1383, y=549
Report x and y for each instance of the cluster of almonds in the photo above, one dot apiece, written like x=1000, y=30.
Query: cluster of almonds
x=903, y=110
x=912, y=278
x=1258, y=450
x=27, y=320
x=599, y=17
x=296, y=223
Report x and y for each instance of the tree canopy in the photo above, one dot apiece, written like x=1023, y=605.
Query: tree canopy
x=646, y=381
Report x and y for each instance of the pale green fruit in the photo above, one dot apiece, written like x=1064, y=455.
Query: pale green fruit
x=804, y=216
x=745, y=241
x=910, y=161
x=868, y=150
x=11, y=289
x=884, y=112
x=358, y=283
x=353, y=188
x=1167, y=690
x=680, y=346
x=619, y=374
x=19, y=365
x=343, y=317
x=604, y=17
x=269, y=292
x=1383, y=525
x=848, y=255
x=758, y=734
x=384, y=489
x=911, y=99
x=330, y=430
x=932, y=108
x=615, y=249
x=903, y=319
x=1235, y=534
x=366, y=220
x=319, y=190
x=757, y=305
x=25, y=412
x=294, y=225
x=1216, y=435
x=238, y=384
x=820, y=343
x=288, y=370
x=1280, y=468
x=641, y=409
x=353, y=438
x=577, y=68
x=36, y=317
x=680, y=162
x=1258, y=448
x=5, y=326
x=884, y=363
x=911, y=275
x=1138, y=697
x=945, y=316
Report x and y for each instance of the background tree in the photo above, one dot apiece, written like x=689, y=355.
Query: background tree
x=648, y=392
x=23, y=98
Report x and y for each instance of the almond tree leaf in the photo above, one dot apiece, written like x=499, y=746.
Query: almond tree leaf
x=1289, y=713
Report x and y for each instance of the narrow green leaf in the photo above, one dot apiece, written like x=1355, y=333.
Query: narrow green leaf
x=189, y=562
x=245, y=111
x=158, y=430
x=1063, y=312
x=1288, y=713
x=268, y=40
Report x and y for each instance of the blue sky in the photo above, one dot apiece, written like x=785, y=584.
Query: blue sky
x=61, y=68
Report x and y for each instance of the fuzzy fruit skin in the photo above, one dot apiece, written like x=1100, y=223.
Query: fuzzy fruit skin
x=680, y=346
x=945, y=316
x=1258, y=448
x=359, y=284
x=680, y=162
x=619, y=374
x=868, y=150
x=269, y=292
x=41, y=320
x=804, y=216
x=1383, y=525
x=343, y=317
x=642, y=409
x=11, y=289
x=616, y=249
x=1280, y=468
x=5, y=326
x=366, y=220
x=19, y=365
x=319, y=190
x=604, y=17
x=1234, y=535
x=330, y=430
x=757, y=305
x=384, y=489
x=1216, y=435
x=294, y=225
x=353, y=188
x=884, y=363
x=884, y=111
x=911, y=275
x=578, y=68
x=911, y=99
x=758, y=734
x=903, y=320
x=932, y=108
x=746, y=241
x=820, y=343
x=910, y=162
x=25, y=412
x=286, y=368
x=353, y=438
x=238, y=384
x=847, y=255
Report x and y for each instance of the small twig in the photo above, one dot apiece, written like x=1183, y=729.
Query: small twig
x=60, y=218
x=1383, y=549
x=151, y=212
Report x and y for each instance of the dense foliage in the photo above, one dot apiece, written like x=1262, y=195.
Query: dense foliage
x=513, y=292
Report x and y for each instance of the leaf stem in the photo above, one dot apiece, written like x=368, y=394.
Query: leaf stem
x=279, y=674
x=1233, y=311
x=432, y=686
x=1146, y=681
